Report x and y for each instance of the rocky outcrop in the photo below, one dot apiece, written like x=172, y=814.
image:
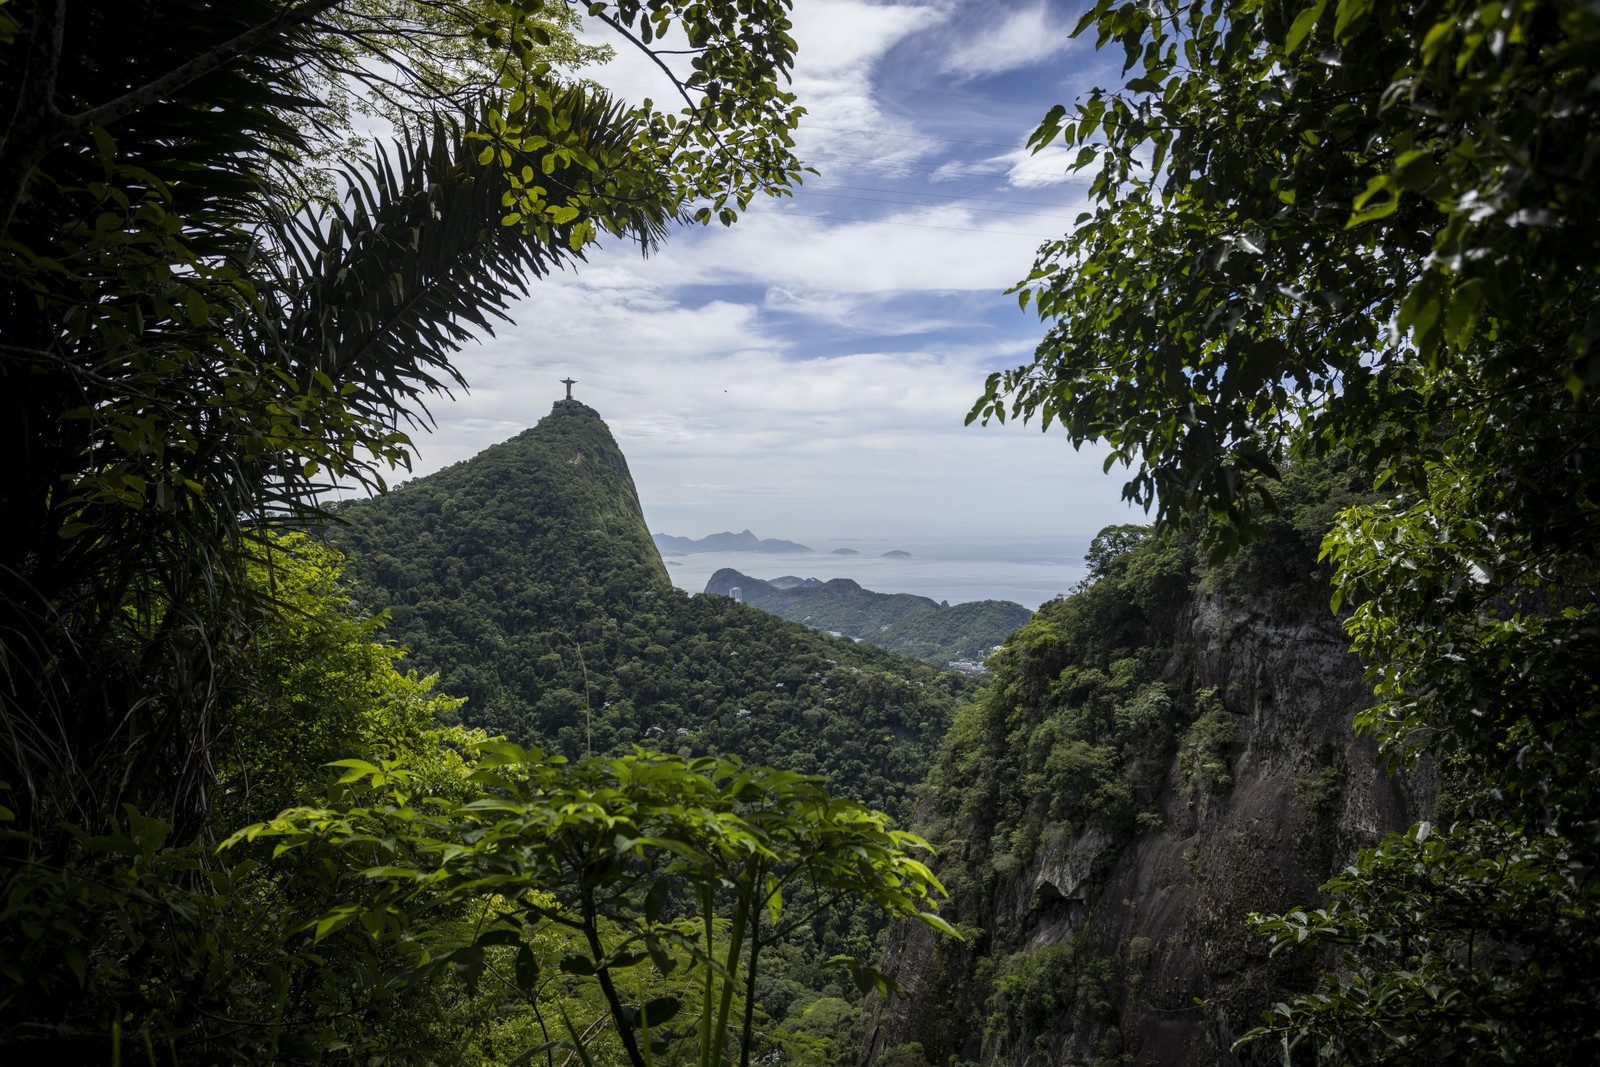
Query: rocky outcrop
x=1151, y=932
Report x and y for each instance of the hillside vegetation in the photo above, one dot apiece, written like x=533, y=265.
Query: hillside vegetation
x=526, y=578
x=1315, y=229
x=913, y=625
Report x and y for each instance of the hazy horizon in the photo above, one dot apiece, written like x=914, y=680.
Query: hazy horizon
x=1028, y=571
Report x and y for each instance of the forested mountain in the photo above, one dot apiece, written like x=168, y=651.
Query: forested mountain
x=526, y=578
x=914, y=625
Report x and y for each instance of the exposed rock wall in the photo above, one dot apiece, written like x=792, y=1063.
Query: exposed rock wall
x=1163, y=968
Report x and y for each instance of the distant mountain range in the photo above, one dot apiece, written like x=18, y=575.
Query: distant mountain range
x=744, y=541
x=917, y=626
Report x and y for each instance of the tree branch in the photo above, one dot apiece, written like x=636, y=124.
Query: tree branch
x=591, y=934
x=35, y=112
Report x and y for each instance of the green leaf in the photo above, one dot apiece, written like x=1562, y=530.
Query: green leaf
x=335, y=920
x=774, y=898
x=1382, y=210
x=499, y=935
x=656, y=899
x=661, y=1010
x=198, y=310
x=1047, y=129
x=1350, y=14
x=582, y=966
x=1304, y=23
x=663, y=961
x=526, y=970
x=358, y=769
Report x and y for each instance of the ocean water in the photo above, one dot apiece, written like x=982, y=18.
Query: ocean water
x=1027, y=571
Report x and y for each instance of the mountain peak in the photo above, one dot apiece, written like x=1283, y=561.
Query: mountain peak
x=526, y=579
x=573, y=408
x=555, y=503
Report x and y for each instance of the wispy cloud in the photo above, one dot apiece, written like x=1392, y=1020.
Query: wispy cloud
x=1012, y=41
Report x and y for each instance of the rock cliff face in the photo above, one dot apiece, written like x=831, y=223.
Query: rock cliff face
x=1134, y=948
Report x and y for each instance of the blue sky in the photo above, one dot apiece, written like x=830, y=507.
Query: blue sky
x=807, y=372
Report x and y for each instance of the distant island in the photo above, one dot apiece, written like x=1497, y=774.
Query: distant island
x=897, y=553
x=958, y=637
x=845, y=552
x=744, y=541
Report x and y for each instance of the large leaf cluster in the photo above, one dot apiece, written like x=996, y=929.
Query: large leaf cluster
x=1467, y=944
x=197, y=336
x=637, y=855
x=127, y=938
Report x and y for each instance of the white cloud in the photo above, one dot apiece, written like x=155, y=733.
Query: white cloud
x=841, y=39
x=1026, y=169
x=965, y=169
x=724, y=427
x=916, y=248
x=1022, y=38
x=841, y=44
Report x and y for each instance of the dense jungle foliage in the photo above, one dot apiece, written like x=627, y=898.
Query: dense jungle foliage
x=1313, y=227
x=443, y=898
x=232, y=830
x=911, y=625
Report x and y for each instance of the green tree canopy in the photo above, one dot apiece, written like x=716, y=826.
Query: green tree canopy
x=1314, y=224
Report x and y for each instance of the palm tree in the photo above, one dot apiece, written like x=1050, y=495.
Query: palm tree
x=194, y=346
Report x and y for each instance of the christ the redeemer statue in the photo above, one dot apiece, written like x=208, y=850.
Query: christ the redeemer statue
x=569, y=383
